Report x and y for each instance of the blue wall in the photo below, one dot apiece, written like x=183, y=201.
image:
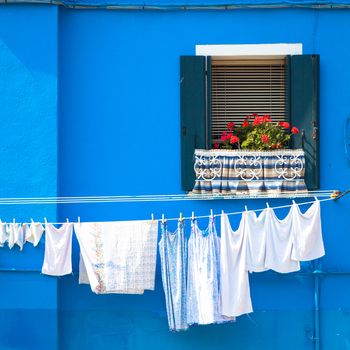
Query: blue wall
x=28, y=153
x=118, y=133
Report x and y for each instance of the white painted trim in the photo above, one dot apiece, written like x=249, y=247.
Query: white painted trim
x=249, y=50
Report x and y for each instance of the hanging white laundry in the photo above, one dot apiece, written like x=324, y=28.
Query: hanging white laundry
x=203, y=302
x=119, y=257
x=83, y=276
x=307, y=230
x=256, y=241
x=4, y=233
x=58, y=250
x=279, y=243
x=19, y=235
x=16, y=235
x=33, y=233
x=234, y=281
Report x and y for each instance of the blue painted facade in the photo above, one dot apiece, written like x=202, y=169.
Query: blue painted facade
x=90, y=106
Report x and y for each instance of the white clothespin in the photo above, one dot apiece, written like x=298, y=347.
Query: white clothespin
x=246, y=208
x=193, y=215
x=45, y=220
x=67, y=220
x=222, y=212
x=267, y=205
x=211, y=214
x=293, y=201
x=78, y=219
x=14, y=220
x=180, y=218
x=316, y=199
x=163, y=220
x=152, y=216
x=32, y=221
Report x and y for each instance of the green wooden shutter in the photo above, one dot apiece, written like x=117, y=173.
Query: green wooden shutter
x=193, y=101
x=304, y=112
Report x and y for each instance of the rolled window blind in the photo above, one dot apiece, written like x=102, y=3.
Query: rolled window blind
x=245, y=87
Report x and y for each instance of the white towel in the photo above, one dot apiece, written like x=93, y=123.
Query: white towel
x=58, y=250
x=256, y=241
x=119, y=257
x=279, y=243
x=33, y=232
x=307, y=230
x=234, y=281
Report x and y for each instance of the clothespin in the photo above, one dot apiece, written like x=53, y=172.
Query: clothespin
x=193, y=215
x=316, y=199
x=211, y=214
x=180, y=218
x=78, y=219
x=14, y=220
x=293, y=201
x=152, y=216
x=67, y=220
x=267, y=205
x=45, y=220
x=32, y=221
x=246, y=208
x=222, y=212
x=162, y=218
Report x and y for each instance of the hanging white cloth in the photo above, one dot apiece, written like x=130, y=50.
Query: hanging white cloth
x=119, y=257
x=16, y=235
x=203, y=302
x=279, y=243
x=234, y=281
x=307, y=230
x=33, y=233
x=58, y=250
x=256, y=227
x=4, y=233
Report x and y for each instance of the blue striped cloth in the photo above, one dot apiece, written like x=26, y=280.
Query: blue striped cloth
x=249, y=172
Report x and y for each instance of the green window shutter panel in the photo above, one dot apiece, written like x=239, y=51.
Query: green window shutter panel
x=304, y=112
x=193, y=114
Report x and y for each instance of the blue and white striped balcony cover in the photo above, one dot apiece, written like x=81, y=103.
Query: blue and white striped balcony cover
x=249, y=172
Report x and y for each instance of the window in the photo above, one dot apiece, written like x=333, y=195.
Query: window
x=206, y=103
x=240, y=87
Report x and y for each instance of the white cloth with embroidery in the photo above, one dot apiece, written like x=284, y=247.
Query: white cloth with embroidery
x=234, y=281
x=255, y=230
x=307, y=231
x=279, y=243
x=58, y=250
x=120, y=256
x=33, y=233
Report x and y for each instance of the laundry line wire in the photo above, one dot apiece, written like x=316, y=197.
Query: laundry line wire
x=189, y=217
x=155, y=198
x=253, y=210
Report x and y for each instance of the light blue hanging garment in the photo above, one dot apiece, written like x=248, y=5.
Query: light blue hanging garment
x=203, y=298
x=173, y=256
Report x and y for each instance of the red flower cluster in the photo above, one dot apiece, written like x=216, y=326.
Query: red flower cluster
x=285, y=125
x=225, y=136
x=260, y=120
x=265, y=138
x=245, y=123
x=230, y=125
x=234, y=139
x=294, y=130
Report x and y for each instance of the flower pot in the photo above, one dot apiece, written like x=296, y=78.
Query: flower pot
x=249, y=172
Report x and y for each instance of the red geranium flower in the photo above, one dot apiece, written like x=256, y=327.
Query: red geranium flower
x=266, y=119
x=245, y=123
x=216, y=145
x=257, y=121
x=265, y=138
x=285, y=125
x=294, y=130
x=234, y=139
x=230, y=125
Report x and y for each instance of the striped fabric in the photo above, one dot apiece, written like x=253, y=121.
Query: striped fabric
x=249, y=172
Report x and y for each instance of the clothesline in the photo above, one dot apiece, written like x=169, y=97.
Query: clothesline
x=197, y=217
x=159, y=198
